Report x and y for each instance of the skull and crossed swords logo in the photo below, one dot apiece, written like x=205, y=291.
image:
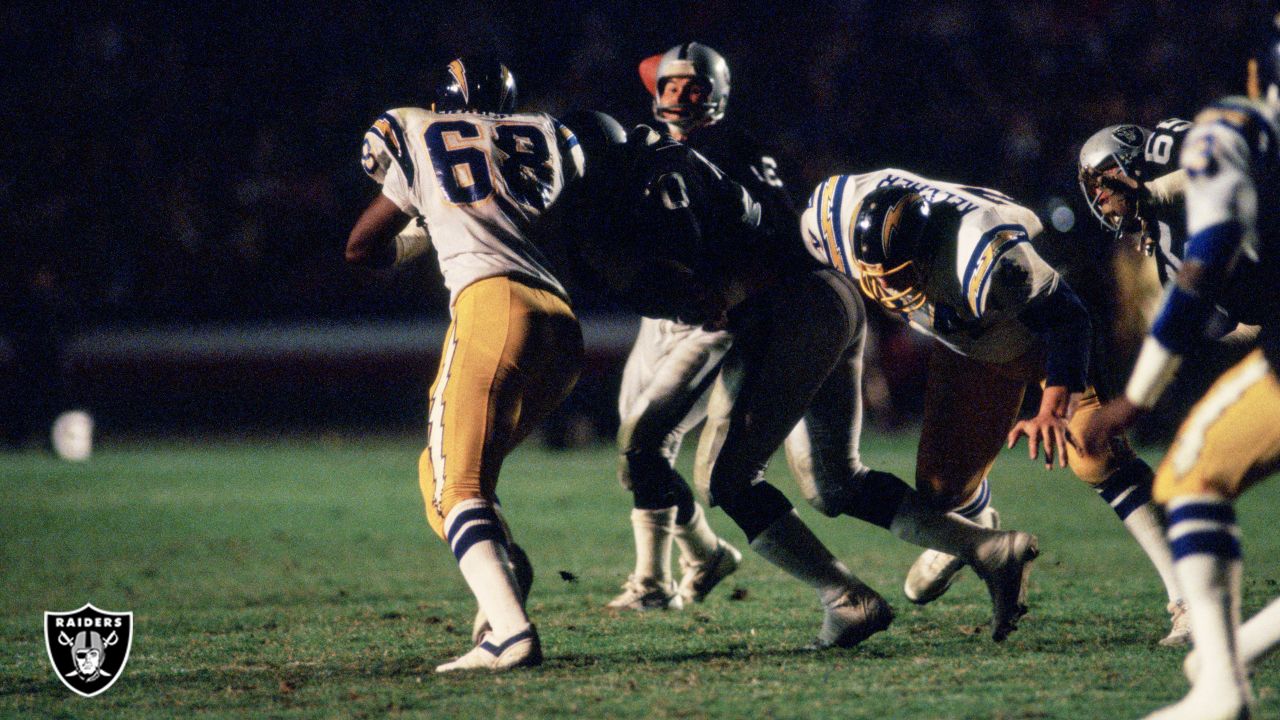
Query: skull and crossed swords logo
x=88, y=647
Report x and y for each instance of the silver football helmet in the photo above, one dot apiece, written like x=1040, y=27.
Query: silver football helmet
x=697, y=61
x=1108, y=174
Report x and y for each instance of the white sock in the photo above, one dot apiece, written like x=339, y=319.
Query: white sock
x=1145, y=527
x=790, y=545
x=1260, y=634
x=696, y=539
x=917, y=523
x=1128, y=491
x=478, y=542
x=1206, y=549
x=652, y=530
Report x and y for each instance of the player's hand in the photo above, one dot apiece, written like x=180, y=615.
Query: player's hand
x=1111, y=419
x=1048, y=429
x=1048, y=432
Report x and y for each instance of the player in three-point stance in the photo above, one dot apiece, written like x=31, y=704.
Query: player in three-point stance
x=956, y=263
x=1130, y=177
x=470, y=176
x=1231, y=438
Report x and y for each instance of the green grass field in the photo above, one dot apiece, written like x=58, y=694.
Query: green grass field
x=298, y=579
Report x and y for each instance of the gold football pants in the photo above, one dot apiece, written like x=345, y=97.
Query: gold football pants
x=512, y=354
x=969, y=408
x=1231, y=438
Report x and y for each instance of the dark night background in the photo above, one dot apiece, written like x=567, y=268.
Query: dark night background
x=177, y=166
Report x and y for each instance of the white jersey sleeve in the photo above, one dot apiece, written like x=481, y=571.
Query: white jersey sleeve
x=478, y=181
x=384, y=144
x=1000, y=272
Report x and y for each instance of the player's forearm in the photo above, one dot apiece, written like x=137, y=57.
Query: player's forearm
x=1167, y=189
x=1055, y=401
x=372, y=240
x=1188, y=306
x=1152, y=373
x=1062, y=323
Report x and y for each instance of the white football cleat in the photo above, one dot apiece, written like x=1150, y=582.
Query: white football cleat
x=699, y=578
x=1180, y=625
x=855, y=616
x=1209, y=705
x=646, y=594
x=933, y=572
x=522, y=649
x=1005, y=569
x=523, y=570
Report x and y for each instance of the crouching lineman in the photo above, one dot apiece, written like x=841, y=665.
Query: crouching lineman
x=677, y=239
x=1130, y=177
x=473, y=175
x=956, y=263
x=1231, y=439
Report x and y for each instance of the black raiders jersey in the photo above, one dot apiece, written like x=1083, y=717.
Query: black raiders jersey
x=1163, y=148
x=748, y=163
x=659, y=228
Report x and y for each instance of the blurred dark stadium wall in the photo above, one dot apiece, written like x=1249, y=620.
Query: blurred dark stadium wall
x=180, y=180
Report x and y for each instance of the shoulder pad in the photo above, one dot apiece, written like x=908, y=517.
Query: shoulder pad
x=1254, y=121
x=643, y=135
x=384, y=142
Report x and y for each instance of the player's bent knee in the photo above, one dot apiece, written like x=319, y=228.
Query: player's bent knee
x=1169, y=486
x=944, y=493
x=1094, y=470
x=831, y=503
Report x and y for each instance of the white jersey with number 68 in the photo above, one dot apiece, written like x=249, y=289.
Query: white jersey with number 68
x=478, y=180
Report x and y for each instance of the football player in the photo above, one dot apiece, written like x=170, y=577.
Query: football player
x=698, y=255
x=1130, y=177
x=671, y=364
x=1231, y=439
x=470, y=176
x=956, y=263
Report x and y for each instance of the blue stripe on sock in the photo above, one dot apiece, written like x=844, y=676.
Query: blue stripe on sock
x=1134, y=474
x=973, y=509
x=1136, y=499
x=484, y=512
x=1220, y=512
x=1218, y=543
x=477, y=532
x=497, y=650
